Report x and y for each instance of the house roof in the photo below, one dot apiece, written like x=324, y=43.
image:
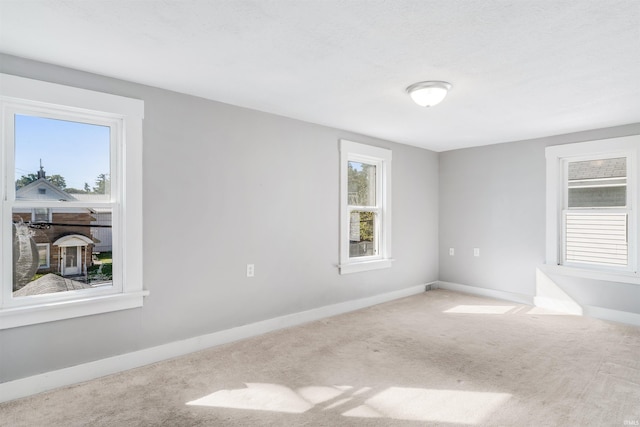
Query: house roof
x=41, y=189
x=598, y=169
x=73, y=240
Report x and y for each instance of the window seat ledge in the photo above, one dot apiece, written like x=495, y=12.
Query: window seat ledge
x=605, y=276
x=40, y=313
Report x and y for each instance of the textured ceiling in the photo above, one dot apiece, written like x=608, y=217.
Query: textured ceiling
x=520, y=69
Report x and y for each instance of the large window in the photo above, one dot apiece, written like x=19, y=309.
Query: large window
x=66, y=164
x=365, y=207
x=592, y=195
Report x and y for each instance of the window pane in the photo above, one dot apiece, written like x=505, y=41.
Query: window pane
x=71, y=252
x=40, y=215
x=362, y=234
x=596, y=238
x=56, y=155
x=598, y=183
x=362, y=184
x=43, y=255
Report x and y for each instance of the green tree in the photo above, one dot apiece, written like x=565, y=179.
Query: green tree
x=26, y=180
x=85, y=189
x=56, y=180
x=103, y=184
x=74, y=191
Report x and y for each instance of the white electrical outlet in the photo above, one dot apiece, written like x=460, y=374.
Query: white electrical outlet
x=452, y=251
x=250, y=270
x=476, y=251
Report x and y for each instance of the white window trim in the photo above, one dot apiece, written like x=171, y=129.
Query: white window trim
x=49, y=215
x=130, y=112
x=556, y=157
x=382, y=157
x=48, y=247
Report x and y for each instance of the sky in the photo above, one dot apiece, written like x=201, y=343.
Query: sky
x=79, y=152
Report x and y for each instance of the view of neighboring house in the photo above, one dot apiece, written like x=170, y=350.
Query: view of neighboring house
x=101, y=233
x=64, y=236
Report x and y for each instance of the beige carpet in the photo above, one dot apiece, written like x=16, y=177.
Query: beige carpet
x=439, y=358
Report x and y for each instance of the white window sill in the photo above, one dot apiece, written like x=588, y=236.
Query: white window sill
x=356, y=267
x=49, y=312
x=585, y=273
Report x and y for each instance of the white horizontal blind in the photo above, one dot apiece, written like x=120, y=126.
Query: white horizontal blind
x=596, y=238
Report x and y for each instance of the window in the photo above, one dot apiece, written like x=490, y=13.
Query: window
x=65, y=160
x=41, y=215
x=592, y=206
x=43, y=255
x=365, y=223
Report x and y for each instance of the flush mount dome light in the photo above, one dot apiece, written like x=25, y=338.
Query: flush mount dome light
x=428, y=94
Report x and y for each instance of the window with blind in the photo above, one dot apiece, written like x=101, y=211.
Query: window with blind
x=592, y=197
x=596, y=215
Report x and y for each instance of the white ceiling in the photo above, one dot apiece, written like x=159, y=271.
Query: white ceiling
x=520, y=69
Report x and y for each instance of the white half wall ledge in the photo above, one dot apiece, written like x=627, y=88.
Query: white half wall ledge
x=553, y=304
x=40, y=383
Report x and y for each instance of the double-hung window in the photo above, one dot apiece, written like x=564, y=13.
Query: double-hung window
x=68, y=155
x=365, y=222
x=592, y=195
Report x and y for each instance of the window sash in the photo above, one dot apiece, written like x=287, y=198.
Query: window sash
x=372, y=196
x=36, y=109
x=376, y=232
x=629, y=184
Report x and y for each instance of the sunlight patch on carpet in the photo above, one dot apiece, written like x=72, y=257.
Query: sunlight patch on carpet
x=481, y=309
x=316, y=394
x=269, y=397
x=400, y=403
x=419, y=404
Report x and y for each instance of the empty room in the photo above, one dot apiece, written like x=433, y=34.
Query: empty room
x=320, y=213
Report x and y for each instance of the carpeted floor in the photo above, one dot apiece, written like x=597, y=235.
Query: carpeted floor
x=438, y=358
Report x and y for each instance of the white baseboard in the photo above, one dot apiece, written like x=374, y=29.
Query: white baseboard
x=613, y=315
x=87, y=371
x=491, y=293
x=547, y=303
x=588, y=310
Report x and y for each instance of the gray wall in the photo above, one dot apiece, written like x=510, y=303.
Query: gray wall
x=493, y=198
x=226, y=186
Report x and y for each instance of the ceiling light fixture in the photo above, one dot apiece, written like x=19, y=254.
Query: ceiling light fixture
x=428, y=94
